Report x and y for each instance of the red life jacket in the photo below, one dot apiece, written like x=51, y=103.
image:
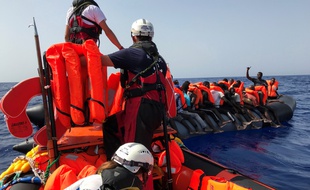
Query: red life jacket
x=79, y=30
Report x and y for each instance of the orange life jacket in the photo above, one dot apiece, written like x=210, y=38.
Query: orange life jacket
x=272, y=88
x=170, y=98
x=176, y=156
x=116, y=92
x=225, y=83
x=195, y=90
x=239, y=90
x=217, y=88
x=65, y=175
x=253, y=95
x=264, y=91
x=70, y=85
x=97, y=75
x=231, y=84
x=200, y=181
x=207, y=90
x=61, y=178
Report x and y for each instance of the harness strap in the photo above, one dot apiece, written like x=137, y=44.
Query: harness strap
x=141, y=91
x=135, y=78
x=76, y=28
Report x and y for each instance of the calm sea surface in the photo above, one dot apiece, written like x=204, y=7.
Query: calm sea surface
x=279, y=157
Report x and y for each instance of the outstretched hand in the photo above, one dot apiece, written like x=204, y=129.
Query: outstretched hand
x=248, y=68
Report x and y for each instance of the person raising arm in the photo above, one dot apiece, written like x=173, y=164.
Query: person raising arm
x=259, y=81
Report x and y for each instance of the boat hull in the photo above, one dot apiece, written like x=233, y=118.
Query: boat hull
x=195, y=161
x=278, y=111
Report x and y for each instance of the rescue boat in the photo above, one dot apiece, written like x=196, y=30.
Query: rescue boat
x=83, y=145
x=78, y=141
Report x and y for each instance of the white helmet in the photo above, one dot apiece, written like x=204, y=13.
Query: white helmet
x=142, y=27
x=133, y=156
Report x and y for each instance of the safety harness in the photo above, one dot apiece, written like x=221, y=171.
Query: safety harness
x=79, y=31
x=151, y=50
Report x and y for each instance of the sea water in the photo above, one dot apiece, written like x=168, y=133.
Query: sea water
x=279, y=157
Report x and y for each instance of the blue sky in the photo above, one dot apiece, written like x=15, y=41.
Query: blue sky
x=199, y=38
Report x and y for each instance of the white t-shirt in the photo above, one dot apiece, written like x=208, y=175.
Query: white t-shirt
x=92, y=182
x=217, y=96
x=91, y=12
x=236, y=97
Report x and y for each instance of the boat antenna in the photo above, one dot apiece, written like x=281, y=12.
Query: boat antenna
x=50, y=125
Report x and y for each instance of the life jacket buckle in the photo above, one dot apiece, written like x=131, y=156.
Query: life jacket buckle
x=159, y=87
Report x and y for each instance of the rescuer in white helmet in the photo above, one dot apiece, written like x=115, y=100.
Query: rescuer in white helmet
x=129, y=168
x=143, y=79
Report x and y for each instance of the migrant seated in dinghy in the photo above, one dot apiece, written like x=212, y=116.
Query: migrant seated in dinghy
x=195, y=93
x=183, y=113
x=251, y=96
x=272, y=88
x=260, y=85
x=130, y=166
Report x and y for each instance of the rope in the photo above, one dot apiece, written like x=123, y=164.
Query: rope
x=46, y=174
x=35, y=170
